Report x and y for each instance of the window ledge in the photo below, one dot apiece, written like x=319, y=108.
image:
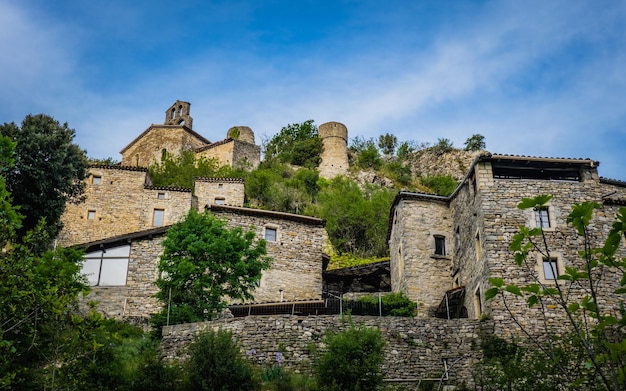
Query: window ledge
x=437, y=256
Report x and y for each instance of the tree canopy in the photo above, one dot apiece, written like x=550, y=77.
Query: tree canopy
x=47, y=172
x=475, y=143
x=297, y=144
x=204, y=264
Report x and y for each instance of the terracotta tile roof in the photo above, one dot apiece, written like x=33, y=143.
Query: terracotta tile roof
x=269, y=213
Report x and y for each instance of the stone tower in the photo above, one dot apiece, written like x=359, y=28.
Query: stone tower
x=243, y=133
x=178, y=114
x=334, y=137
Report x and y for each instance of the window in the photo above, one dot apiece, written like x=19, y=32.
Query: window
x=479, y=249
x=220, y=186
x=440, y=245
x=219, y=201
x=550, y=268
x=161, y=196
x=542, y=218
x=107, y=267
x=96, y=180
x=91, y=214
x=157, y=217
x=478, y=304
x=270, y=234
x=457, y=239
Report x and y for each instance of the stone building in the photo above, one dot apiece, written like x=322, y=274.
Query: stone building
x=334, y=157
x=176, y=134
x=448, y=247
x=122, y=269
x=120, y=200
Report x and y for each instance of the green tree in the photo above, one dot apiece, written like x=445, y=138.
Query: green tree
x=356, y=219
x=352, y=360
x=183, y=169
x=203, y=264
x=215, y=363
x=442, y=185
x=475, y=143
x=48, y=170
x=387, y=143
x=367, y=154
x=443, y=145
x=297, y=144
x=575, y=296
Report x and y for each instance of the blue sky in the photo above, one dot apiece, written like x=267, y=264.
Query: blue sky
x=541, y=78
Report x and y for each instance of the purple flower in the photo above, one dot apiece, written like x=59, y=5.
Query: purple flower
x=279, y=358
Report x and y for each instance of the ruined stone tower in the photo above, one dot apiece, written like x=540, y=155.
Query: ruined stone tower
x=243, y=133
x=334, y=137
x=178, y=114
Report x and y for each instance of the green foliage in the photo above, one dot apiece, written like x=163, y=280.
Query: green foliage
x=442, y=185
x=215, y=363
x=109, y=161
x=475, y=143
x=356, y=219
x=297, y=144
x=400, y=173
x=181, y=170
x=343, y=260
x=36, y=292
x=393, y=304
x=202, y=263
x=47, y=172
x=596, y=329
x=443, y=145
x=367, y=154
x=387, y=143
x=352, y=360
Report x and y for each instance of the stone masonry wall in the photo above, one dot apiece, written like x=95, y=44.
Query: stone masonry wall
x=149, y=148
x=121, y=204
x=415, y=348
x=502, y=219
x=135, y=300
x=334, y=155
x=297, y=253
x=207, y=190
x=221, y=151
x=416, y=270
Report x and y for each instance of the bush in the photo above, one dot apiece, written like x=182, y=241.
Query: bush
x=443, y=145
x=352, y=361
x=394, y=304
x=442, y=185
x=215, y=363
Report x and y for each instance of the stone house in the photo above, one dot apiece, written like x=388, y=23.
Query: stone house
x=122, y=269
x=448, y=247
x=176, y=134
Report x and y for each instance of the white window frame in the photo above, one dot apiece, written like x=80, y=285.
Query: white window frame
x=107, y=267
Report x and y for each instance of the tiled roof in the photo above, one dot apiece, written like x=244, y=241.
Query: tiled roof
x=186, y=129
x=268, y=213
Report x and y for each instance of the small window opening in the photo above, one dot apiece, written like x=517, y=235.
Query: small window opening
x=161, y=196
x=96, y=179
x=270, y=234
x=440, y=245
x=550, y=268
x=479, y=249
x=157, y=217
x=91, y=214
x=220, y=186
x=542, y=218
x=478, y=303
x=220, y=201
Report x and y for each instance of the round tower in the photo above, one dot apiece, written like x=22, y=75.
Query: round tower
x=242, y=133
x=334, y=137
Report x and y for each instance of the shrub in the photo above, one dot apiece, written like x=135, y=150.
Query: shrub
x=215, y=363
x=394, y=304
x=442, y=185
x=352, y=361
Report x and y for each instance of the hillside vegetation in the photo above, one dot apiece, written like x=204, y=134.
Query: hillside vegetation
x=356, y=206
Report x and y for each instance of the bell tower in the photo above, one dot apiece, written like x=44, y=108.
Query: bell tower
x=178, y=114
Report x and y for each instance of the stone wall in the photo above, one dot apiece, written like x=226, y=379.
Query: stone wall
x=120, y=203
x=415, y=268
x=296, y=272
x=414, y=348
x=135, y=300
x=231, y=152
x=148, y=147
x=230, y=190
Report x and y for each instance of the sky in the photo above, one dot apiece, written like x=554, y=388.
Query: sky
x=539, y=78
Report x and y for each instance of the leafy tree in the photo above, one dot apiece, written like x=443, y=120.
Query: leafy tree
x=367, y=154
x=442, y=185
x=576, y=297
x=202, y=264
x=48, y=170
x=475, y=143
x=356, y=219
x=297, y=144
x=181, y=170
x=215, y=363
x=443, y=145
x=352, y=360
x=387, y=143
